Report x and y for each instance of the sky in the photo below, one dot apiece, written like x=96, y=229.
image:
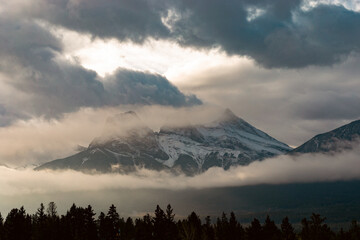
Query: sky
x=288, y=67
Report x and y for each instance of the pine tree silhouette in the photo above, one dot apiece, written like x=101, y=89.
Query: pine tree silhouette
x=190, y=228
x=236, y=231
x=208, y=232
x=315, y=228
x=39, y=223
x=270, y=230
x=129, y=230
x=2, y=233
x=354, y=231
x=144, y=228
x=51, y=210
x=79, y=224
x=159, y=224
x=254, y=231
x=90, y=224
x=113, y=220
x=17, y=225
x=287, y=230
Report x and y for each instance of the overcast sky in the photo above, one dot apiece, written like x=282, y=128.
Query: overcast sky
x=288, y=67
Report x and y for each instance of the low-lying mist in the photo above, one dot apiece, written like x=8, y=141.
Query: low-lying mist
x=239, y=189
x=279, y=170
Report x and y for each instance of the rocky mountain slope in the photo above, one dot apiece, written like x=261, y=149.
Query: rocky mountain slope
x=127, y=145
x=336, y=140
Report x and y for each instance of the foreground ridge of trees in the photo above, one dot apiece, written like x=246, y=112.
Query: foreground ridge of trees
x=80, y=224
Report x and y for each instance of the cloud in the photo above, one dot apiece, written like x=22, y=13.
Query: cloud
x=281, y=34
x=297, y=104
x=280, y=170
x=135, y=87
x=39, y=140
x=47, y=84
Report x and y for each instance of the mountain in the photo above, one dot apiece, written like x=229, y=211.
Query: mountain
x=336, y=140
x=128, y=144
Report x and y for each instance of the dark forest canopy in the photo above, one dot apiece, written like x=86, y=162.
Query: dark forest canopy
x=80, y=224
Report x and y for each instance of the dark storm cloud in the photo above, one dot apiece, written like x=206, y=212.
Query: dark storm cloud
x=138, y=87
x=44, y=83
x=7, y=117
x=322, y=36
x=275, y=33
x=282, y=36
x=133, y=20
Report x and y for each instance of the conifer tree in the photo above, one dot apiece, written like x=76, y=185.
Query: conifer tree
x=54, y=230
x=235, y=229
x=51, y=210
x=90, y=224
x=144, y=228
x=315, y=228
x=17, y=225
x=2, y=236
x=354, y=231
x=39, y=223
x=190, y=228
x=222, y=228
x=160, y=224
x=208, y=232
x=195, y=223
x=254, y=231
x=113, y=222
x=105, y=227
x=270, y=230
x=128, y=232
x=287, y=230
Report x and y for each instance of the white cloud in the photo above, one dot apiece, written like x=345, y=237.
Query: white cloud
x=353, y=5
x=158, y=56
x=39, y=140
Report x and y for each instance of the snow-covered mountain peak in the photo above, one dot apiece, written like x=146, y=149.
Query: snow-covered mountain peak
x=191, y=149
x=189, y=131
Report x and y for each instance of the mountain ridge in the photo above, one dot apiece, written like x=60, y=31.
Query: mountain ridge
x=127, y=144
x=338, y=139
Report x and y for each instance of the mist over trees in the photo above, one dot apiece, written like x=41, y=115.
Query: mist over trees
x=79, y=223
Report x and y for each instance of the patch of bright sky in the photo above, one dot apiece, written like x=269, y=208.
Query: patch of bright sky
x=157, y=56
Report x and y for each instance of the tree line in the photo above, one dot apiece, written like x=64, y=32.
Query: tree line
x=80, y=224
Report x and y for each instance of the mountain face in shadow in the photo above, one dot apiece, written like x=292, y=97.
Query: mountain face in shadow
x=341, y=138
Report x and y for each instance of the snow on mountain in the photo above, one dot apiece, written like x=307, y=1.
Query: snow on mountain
x=223, y=143
x=127, y=144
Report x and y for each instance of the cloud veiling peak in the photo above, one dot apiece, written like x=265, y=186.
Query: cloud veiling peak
x=129, y=145
x=124, y=124
x=228, y=116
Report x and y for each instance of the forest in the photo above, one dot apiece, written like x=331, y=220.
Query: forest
x=80, y=223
